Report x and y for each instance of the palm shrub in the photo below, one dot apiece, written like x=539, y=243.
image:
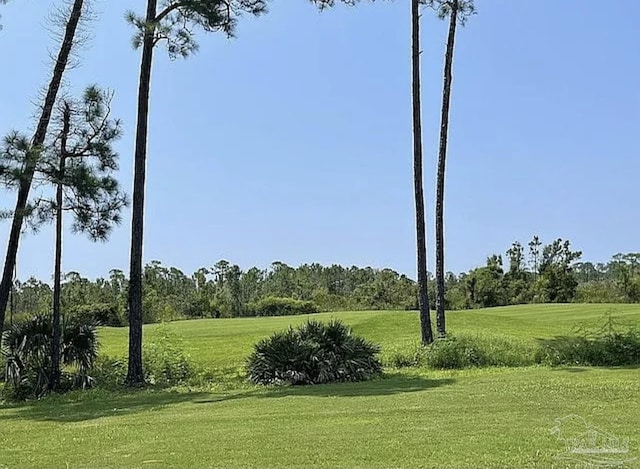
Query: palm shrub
x=26, y=349
x=26, y=352
x=314, y=353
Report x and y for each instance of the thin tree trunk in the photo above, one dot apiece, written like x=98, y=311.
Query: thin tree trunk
x=442, y=157
x=54, y=379
x=37, y=142
x=135, y=376
x=12, y=305
x=423, y=294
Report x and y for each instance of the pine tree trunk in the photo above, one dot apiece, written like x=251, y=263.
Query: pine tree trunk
x=54, y=378
x=37, y=142
x=135, y=376
x=423, y=293
x=12, y=305
x=442, y=157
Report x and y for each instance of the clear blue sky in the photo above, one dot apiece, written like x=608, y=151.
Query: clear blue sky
x=292, y=142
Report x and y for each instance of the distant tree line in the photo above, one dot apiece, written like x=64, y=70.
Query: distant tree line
x=535, y=274
x=223, y=290
x=545, y=274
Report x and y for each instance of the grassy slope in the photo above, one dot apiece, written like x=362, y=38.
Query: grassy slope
x=226, y=342
x=473, y=418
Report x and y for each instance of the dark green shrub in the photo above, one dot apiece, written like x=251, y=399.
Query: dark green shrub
x=103, y=314
x=405, y=356
x=406, y=360
x=276, y=306
x=109, y=372
x=313, y=353
x=26, y=348
x=453, y=353
x=465, y=351
x=599, y=291
x=198, y=307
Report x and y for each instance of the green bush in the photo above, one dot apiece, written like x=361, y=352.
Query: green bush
x=164, y=360
x=599, y=291
x=466, y=351
x=276, y=306
x=164, y=363
x=313, y=353
x=453, y=353
x=103, y=314
x=613, y=344
x=109, y=372
x=412, y=355
x=199, y=307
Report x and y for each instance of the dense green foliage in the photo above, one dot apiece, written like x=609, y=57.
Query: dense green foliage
x=103, y=314
x=466, y=351
x=314, y=353
x=611, y=344
x=469, y=351
x=275, y=306
x=546, y=274
x=26, y=349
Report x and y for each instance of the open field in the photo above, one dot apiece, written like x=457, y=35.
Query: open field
x=411, y=418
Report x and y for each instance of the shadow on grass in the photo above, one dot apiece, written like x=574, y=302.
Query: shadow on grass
x=623, y=367
x=582, y=368
x=99, y=403
x=571, y=369
x=386, y=386
x=95, y=404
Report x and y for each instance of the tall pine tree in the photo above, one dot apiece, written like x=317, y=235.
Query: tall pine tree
x=172, y=24
x=457, y=11
x=78, y=163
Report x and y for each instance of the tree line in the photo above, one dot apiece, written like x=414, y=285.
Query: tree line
x=551, y=273
x=223, y=290
x=534, y=273
x=68, y=166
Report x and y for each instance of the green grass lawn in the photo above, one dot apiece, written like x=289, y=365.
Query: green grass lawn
x=413, y=418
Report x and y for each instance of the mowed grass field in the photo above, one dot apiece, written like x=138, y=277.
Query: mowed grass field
x=500, y=417
x=225, y=343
